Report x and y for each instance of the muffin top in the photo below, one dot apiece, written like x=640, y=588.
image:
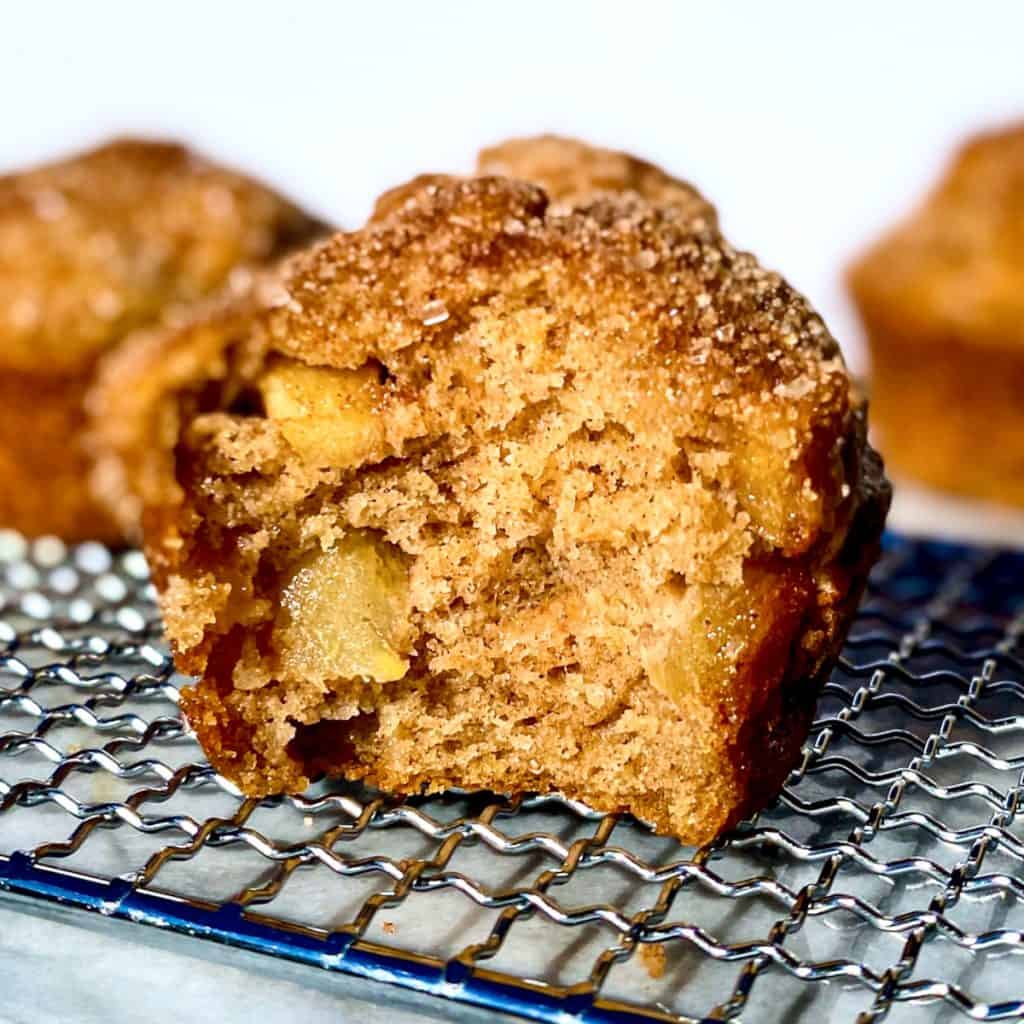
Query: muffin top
x=955, y=268
x=487, y=306
x=98, y=244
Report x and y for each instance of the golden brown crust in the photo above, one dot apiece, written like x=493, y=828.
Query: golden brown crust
x=90, y=248
x=622, y=463
x=942, y=299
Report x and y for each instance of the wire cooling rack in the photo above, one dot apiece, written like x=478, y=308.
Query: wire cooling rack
x=886, y=882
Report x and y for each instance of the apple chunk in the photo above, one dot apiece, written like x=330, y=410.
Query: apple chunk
x=343, y=611
x=330, y=417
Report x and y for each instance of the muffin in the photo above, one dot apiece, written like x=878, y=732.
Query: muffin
x=506, y=494
x=572, y=173
x=942, y=301
x=91, y=248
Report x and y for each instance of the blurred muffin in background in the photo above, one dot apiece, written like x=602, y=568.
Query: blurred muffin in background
x=942, y=300
x=91, y=248
x=574, y=173
x=571, y=172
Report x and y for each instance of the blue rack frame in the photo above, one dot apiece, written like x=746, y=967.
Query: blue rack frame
x=229, y=924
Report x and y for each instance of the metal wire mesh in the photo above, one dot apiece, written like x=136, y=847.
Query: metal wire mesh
x=886, y=882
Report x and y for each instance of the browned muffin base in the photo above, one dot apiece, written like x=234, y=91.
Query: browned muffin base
x=950, y=414
x=44, y=473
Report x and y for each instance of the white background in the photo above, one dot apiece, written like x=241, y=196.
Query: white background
x=810, y=124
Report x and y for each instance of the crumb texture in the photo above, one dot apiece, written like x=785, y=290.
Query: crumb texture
x=653, y=957
x=511, y=494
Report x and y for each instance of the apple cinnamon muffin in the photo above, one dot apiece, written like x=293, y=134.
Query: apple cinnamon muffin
x=502, y=494
x=942, y=301
x=90, y=248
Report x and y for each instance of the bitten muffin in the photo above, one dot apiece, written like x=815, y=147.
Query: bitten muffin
x=90, y=248
x=502, y=494
x=942, y=300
